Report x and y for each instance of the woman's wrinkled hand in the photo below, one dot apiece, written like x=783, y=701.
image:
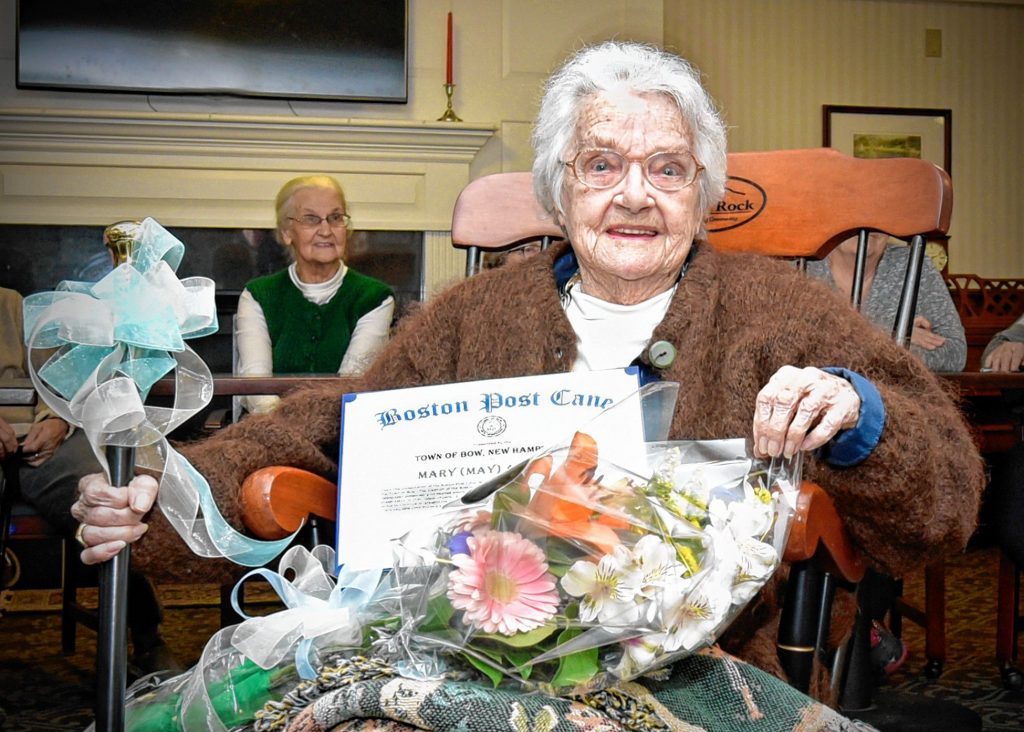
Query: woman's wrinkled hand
x=1008, y=356
x=801, y=409
x=111, y=517
x=42, y=441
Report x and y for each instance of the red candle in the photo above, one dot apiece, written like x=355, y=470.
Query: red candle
x=448, y=75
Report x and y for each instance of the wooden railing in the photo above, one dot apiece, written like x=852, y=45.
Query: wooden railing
x=986, y=306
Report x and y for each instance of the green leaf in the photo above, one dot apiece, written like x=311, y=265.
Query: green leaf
x=485, y=668
x=560, y=552
x=509, y=502
x=522, y=640
x=576, y=668
x=439, y=614
x=520, y=659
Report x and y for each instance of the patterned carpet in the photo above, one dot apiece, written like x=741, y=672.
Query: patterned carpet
x=40, y=689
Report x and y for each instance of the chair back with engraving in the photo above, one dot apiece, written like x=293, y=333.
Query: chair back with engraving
x=804, y=203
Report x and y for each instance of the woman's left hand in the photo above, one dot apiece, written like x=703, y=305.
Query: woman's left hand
x=42, y=441
x=802, y=409
x=923, y=336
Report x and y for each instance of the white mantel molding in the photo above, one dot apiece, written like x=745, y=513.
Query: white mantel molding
x=94, y=167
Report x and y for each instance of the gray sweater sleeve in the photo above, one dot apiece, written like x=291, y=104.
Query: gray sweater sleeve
x=1014, y=333
x=936, y=304
x=933, y=302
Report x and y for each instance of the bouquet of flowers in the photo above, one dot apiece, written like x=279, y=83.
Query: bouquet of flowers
x=579, y=572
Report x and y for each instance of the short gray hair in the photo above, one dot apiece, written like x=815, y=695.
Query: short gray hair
x=642, y=69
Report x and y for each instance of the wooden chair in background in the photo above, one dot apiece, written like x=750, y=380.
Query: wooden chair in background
x=986, y=307
x=19, y=522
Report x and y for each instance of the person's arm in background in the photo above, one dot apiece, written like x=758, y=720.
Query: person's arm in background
x=40, y=430
x=368, y=339
x=8, y=439
x=254, y=350
x=1005, y=352
x=938, y=335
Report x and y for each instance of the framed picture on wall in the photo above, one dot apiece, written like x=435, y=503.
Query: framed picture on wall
x=894, y=132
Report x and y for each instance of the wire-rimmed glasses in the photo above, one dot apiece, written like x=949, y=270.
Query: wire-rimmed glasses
x=334, y=220
x=666, y=170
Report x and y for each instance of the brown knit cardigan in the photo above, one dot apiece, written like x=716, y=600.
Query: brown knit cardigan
x=735, y=320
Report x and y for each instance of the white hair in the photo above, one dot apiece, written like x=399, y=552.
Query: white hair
x=641, y=69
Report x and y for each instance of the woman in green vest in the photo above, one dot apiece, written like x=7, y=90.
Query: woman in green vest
x=317, y=316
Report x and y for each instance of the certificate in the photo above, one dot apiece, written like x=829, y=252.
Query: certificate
x=405, y=453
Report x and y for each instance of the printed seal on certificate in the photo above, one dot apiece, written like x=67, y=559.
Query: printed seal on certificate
x=491, y=426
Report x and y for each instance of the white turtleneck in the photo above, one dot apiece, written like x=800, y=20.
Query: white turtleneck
x=608, y=335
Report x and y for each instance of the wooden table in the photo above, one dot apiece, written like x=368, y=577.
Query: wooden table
x=228, y=385
x=17, y=393
x=984, y=393
x=987, y=401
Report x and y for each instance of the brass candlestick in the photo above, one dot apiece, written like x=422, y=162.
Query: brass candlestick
x=449, y=113
x=121, y=239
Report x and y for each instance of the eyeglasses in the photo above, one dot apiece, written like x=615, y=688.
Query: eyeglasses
x=666, y=171
x=312, y=221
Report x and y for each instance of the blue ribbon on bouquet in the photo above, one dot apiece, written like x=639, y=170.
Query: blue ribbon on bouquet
x=111, y=341
x=318, y=603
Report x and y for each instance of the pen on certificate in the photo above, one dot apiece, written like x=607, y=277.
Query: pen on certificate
x=488, y=487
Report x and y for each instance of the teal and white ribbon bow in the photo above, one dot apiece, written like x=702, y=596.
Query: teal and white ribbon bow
x=318, y=603
x=323, y=611
x=111, y=341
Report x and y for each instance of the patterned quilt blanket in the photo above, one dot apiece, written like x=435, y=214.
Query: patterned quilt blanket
x=709, y=691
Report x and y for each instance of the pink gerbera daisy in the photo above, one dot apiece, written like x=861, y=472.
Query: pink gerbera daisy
x=502, y=583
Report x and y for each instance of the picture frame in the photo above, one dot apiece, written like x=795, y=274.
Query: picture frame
x=918, y=132
x=890, y=132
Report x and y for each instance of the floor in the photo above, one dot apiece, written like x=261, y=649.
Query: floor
x=41, y=689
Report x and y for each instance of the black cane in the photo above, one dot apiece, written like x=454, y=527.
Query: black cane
x=112, y=640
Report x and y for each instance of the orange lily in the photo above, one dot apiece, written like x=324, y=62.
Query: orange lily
x=563, y=503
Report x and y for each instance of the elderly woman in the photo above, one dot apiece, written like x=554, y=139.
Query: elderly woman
x=937, y=335
x=630, y=154
x=318, y=315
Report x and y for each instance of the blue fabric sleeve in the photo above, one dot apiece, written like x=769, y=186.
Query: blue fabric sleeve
x=853, y=446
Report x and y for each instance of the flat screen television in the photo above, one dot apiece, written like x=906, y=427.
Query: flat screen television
x=352, y=50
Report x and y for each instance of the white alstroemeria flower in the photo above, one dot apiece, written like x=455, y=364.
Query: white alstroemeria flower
x=656, y=565
x=638, y=654
x=606, y=589
x=742, y=518
x=757, y=561
x=690, y=618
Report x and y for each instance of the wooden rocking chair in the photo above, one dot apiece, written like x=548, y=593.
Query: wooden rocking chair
x=793, y=204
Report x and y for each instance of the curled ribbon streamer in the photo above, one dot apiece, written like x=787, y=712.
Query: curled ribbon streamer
x=318, y=604
x=112, y=340
x=197, y=712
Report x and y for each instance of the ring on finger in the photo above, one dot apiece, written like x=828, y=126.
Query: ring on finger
x=79, y=538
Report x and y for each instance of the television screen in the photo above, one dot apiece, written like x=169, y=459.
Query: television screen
x=341, y=50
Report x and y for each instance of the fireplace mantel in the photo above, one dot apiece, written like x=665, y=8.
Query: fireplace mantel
x=94, y=167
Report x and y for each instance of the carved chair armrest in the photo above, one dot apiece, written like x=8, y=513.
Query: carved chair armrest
x=815, y=523
x=276, y=501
